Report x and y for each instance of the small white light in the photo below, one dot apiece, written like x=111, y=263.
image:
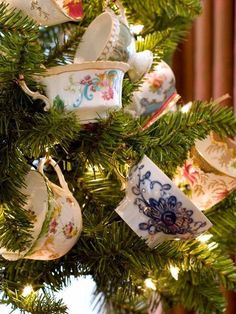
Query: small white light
x=174, y=270
x=150, y=284
x=203, y=238
x=27, y=290
x=136, y=29
x=186, y=107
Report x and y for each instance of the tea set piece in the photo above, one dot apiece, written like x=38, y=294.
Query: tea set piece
x=36, y=192
x=90, y=89
x=56, y=216
x=108, y=37
x=156, y=209
x=49, y=12
x=202, y=184
x=157, y=89
x=63, y=224
x=219, y=153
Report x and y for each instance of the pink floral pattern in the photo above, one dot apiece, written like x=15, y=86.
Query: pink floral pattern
x=205, y=189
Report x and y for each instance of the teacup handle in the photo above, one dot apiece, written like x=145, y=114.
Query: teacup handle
x=60, y=175
x=120, y=7
x=34, y=95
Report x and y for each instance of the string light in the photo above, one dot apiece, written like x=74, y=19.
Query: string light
x=186, y=107
x=150, y=284
x=174, y=270
x=136, y=29
x=203, y=238
x=27, y=290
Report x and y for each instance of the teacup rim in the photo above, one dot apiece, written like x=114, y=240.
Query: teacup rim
x=89, y=65
x=101, y=15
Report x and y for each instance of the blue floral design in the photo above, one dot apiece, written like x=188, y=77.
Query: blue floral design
x=166, y=213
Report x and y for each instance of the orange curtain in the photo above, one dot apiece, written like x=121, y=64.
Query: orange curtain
x=205, y=68
x=204, y=62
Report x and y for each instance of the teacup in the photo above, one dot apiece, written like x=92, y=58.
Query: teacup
x=37, y=205
x=63, y=224
x=56, y=217
x=156, y=209
x=108, y=37
x=156, y=92
x=204, y=186
x=219, y=153
x=49, y=12
x=90, y=89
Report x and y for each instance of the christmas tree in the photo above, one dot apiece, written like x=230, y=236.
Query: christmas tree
x=61, y=108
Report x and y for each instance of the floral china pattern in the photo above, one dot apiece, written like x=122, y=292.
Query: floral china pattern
x=74, y=8
x=158, y=86
x=204, y=189
x=52, y=229
x=166, y=213
x=218, y=154
x=106, y=83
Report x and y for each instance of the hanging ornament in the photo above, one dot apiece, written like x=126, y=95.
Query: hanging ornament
x=220, y=153
x=206, y=176
x=156, y=95
x=108, y=37
x=156, y=209
x=59, y=226
x=37, y=206
x=50, y=12
x=90, y=89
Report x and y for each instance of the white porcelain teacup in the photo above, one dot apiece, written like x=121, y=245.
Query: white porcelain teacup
x=157, y=90
x=36, y=192
x=204, y=186
x=220, y=153
x=49, y=12
x=90, y=89
x=63, y=224
x=108, y=37
x=156, y=209
x=56, y=217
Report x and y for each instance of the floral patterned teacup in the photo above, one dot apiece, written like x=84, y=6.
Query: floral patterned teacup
x=156, y=92
x=156, y=209
x=204, y=188
x=219, y=153
x=108, y=37
x=49, y=12
x=90, y=89
x=37, y=205
x=63, y=223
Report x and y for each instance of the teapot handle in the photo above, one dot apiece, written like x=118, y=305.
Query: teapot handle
x=60, y=175
x=34, y=95
x=120, y=7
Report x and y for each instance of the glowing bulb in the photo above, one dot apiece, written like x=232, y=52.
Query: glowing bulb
x=27, y=290
x=150, y=284
x=186, y=107
x=136, y=29
x=174, y=270
x=203, y=238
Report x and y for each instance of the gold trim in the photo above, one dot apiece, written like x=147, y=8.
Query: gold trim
x=91, y=65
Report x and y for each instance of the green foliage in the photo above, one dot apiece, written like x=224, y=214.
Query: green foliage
x=35, y=302
x=95, y=160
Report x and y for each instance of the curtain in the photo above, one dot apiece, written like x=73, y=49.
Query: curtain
x=204, y=62
x=205, y=68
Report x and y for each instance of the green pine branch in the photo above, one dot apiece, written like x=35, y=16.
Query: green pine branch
x=20, y=49
x=35, y=302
